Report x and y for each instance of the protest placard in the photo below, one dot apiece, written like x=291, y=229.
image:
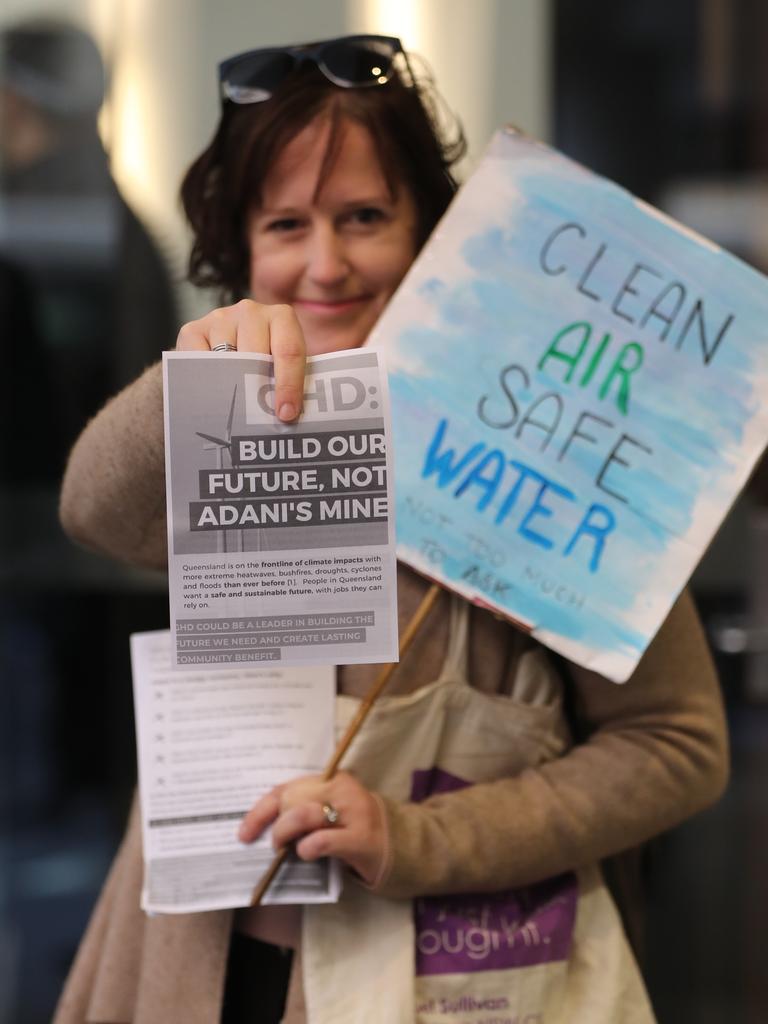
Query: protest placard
x=280, y=536
x=578, y=394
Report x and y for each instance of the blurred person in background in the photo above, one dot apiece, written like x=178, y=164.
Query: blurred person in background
x=104, y=301
x=86, y=300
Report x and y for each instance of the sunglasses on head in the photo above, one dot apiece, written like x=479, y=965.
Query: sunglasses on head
x=350, y=62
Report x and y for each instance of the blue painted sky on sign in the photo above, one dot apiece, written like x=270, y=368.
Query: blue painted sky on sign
x=466, y=339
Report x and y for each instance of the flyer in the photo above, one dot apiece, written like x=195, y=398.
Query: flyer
x=578, y=395
x=210, y=743
x=280, y=536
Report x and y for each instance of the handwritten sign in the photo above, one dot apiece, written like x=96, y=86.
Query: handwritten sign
x=578, y=395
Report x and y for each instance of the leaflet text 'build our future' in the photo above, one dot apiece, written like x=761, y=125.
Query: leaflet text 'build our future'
x=359, y=488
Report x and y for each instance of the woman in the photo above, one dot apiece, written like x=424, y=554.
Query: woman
x=324, y=178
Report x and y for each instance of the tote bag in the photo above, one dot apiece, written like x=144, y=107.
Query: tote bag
x=551, y=953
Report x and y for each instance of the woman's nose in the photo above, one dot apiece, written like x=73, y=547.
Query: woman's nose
x=327, y=261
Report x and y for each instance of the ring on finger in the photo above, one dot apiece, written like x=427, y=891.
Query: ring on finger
x=331, y=815
x=224, y=347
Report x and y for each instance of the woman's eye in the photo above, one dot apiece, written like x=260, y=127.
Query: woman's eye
x=284, y=224
x=367, y=215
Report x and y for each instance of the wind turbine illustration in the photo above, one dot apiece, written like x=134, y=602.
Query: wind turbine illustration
x=220, y=445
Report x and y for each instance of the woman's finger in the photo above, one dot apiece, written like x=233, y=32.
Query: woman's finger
x=303, y=790
x=295, y=823
x=265, y=330
x=307, y=789
x=252, y=327
x=262, y=814
x=193, y=337
x=219, y=327
x=361, y=844
x=298, y=815
x=289, y=350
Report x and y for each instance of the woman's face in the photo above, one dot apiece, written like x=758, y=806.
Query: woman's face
x=338, y=256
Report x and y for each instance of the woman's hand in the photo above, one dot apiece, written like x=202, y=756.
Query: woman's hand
x=358, y=837
x=253, y=327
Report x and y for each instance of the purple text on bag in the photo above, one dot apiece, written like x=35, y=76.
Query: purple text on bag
x=491, y=931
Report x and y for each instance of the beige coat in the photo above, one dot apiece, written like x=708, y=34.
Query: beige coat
x=654, y=751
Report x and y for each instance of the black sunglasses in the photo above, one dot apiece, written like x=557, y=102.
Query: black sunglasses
x=349, y=62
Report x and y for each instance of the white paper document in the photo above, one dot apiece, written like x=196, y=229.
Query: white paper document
x=280, y=536
x=210, y=743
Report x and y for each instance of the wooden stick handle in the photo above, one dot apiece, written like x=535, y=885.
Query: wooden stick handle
x=354, y=726
x=377, y=689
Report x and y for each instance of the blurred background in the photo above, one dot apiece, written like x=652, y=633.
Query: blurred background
x=98, y=120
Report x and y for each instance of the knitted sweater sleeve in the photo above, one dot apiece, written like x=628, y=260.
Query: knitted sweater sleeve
x=657, y=753
x=113, y=492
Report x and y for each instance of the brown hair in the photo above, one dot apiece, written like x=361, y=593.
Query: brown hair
x=225, y=182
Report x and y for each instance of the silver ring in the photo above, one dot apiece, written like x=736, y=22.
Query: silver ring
x=224, y=347
x=331, y=815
